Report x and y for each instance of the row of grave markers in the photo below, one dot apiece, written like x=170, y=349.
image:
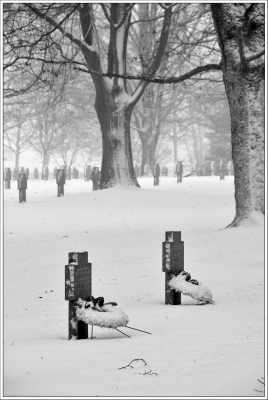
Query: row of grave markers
x=93, y=174
x=78, y=280
x=69, y=173
x=60, y=180
x=220, y=169
x=88, y=171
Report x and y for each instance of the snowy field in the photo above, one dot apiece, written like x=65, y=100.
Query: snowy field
x=194, y=350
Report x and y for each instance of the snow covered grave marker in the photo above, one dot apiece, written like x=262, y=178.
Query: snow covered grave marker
x=22, y=186
x=173, y=261
x=60, y=179
x=77, y=285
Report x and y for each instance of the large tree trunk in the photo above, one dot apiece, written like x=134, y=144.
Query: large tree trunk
x=241, y=38
x=117, y=164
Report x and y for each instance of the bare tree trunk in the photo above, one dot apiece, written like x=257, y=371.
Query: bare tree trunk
x=117, y=163
x=241, y=37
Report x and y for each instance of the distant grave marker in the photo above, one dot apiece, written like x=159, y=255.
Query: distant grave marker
x=35, y=173
x=22, y=186
x=7, y=177
x=173, y=261
x=60, y=180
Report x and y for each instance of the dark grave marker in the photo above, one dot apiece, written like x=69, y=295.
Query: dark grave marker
x=22, y=186
x=78, y=282
x=60, y=180
x=7, y=177
x=173, y=261
x=35, y=173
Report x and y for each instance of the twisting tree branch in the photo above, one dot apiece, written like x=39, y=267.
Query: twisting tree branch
x=169, y=80
x=255, y=56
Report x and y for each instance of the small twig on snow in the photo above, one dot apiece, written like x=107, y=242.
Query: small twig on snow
x=146, y=373
x=135, y=359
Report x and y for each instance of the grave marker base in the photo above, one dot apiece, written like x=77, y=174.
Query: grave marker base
x=171, y=296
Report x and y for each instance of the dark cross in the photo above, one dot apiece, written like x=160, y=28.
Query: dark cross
x=173, y=261
x=77, y=285
x=60, y=180
x=7, y=177
x=22, y=186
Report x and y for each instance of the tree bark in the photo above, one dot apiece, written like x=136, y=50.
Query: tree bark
x=240, y=29
x=117, y=164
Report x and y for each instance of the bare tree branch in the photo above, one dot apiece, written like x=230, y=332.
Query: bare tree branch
x=255, y=56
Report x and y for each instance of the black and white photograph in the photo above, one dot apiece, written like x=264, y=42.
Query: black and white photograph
x=133, y=196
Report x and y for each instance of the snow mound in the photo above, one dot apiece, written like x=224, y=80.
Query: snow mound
x=112, y=317
x=197, y=292
x=254, y=218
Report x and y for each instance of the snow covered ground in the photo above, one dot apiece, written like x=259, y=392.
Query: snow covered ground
x=194, y=350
